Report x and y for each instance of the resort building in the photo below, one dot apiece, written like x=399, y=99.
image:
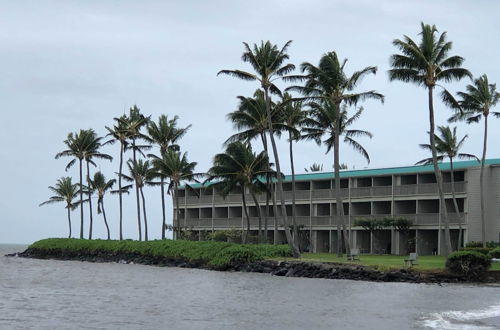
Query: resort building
x=409, y=192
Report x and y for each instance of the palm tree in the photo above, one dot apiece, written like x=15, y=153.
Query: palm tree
x=165, y=134
x=268, y=63
x=472, y=105
x=251, y=121
x=328, y=85
x=91, y=152
x=100, y=185
x=65, y=191
x=77, y=144
x=427, y=64
x=293, y=117
x=322, y=124
x=141, y=173
x=314, y=168
x=120, y=134
x=240, y=167
x=177, y=169
x=448, y=145
x=132, y=125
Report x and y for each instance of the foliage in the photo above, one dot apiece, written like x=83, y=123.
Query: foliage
x=469, y=263
x=495, y=253
x=373, y=224
x=217, y=254
x=482, y=250
x=400, y=223
x=231, y=235
x=314, y=168
x=64, y=191
x=490, y=244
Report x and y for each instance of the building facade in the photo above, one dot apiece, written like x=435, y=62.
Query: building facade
x=408, y=192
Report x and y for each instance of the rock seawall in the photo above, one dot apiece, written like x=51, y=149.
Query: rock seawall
x=277, y=268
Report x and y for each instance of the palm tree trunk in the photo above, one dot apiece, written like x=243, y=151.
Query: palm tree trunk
x=439, y=178
x=279, y=186
x=69, y=221
x=341, y=229
x=245, y=236
x=137, y=195
x=455, y=204
x=268, y=187
x=90, y=201
x=176, y=214
x=162, y=189
x=144, y=212
x=259, y=215
x=120, y=189
x=294, y=209
x=481, y=181
x=81, y=200
x=105, y=220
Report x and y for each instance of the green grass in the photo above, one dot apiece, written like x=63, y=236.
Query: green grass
x=385, y=261
x=216, y=254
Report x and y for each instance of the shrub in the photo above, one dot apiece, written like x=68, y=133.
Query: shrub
x=469, y=263
x=481, y=250
x=473, y=244
x=490, y=244
x=231, y=235
x=217, y=254
x=495, y=253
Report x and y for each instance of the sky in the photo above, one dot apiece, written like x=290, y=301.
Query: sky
x=70, y=65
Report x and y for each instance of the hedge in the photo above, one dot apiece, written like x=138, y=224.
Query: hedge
x=469, y=263
x=217, y=254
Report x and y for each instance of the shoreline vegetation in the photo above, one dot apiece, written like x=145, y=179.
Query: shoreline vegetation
x=223, y=256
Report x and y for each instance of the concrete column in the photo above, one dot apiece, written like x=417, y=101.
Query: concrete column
x=314, y=241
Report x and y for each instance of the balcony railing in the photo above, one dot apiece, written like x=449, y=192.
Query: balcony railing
x=328, y=193
x=371, y=191
x=428, y=188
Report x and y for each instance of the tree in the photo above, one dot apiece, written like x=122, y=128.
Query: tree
x=120, y=134
x=239, y=166
x=177, y=169
x=293, y=117
x=100, y=186
x=268, y=63
x=165, y=135
x=472, y=105
x=132, y=125
x=326, y=119
x=77, y=144
x=251, y=121
x=141, y=173
x=448, y=145
x=65, y=192
x=90, y=153
x=314, y=168
x=427, y=64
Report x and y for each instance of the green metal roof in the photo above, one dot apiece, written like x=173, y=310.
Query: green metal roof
x=380, y=171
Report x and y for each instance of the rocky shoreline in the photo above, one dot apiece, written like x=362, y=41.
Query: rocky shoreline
x=276, y=268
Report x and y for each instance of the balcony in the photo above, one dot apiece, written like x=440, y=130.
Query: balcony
x=427, y=189
x=328, y=193
x=371, y=191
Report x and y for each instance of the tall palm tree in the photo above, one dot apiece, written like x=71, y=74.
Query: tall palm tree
x=100, y=186
x=293, y=117
x=176, y=167
x=65, y=191
x=239, y=166
x=268, y=62
x=476, y=103
x=427, y=64
x=141, y=173
x=120, y=134
x=329, y=84
x=133, y=124
x=448, y=145
x=77, y=144
x=165, y=134
x=321, y=126
x=250, y=119
x=92, y=152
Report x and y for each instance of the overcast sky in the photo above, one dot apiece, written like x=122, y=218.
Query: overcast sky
x=70, y=65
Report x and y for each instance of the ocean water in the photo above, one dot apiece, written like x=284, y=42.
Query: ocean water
x=50, y=294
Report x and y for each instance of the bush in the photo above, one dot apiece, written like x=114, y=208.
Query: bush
x=490, y=244
x=469, y=263
x=231, y=235
x=217, y=254
x=481, y=250
x=495, y=253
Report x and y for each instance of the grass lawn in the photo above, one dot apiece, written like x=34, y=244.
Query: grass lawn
x=385, y=261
